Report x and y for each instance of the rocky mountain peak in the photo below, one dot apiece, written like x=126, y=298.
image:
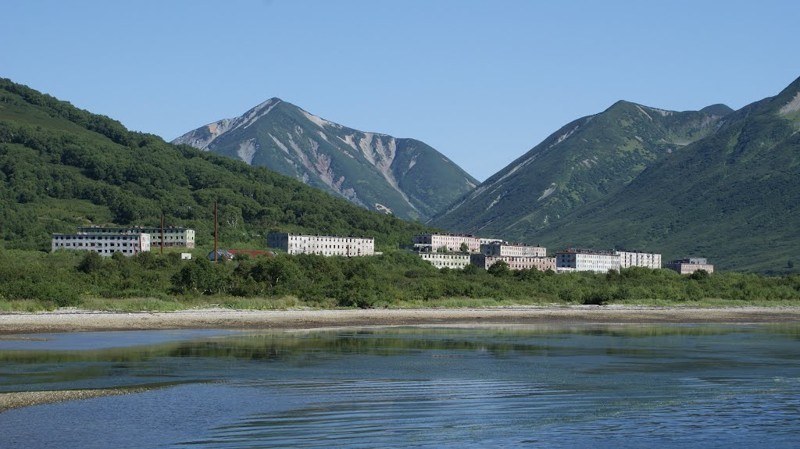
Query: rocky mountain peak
x=372, y=170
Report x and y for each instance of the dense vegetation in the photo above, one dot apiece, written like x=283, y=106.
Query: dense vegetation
x=587, y=160
x=61, y=167
x=732, y=197
x=149, y=281
x=682, y=184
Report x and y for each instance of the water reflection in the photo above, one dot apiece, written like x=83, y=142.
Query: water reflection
x=604, y=386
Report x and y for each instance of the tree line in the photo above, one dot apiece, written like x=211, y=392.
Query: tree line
x=395, y=279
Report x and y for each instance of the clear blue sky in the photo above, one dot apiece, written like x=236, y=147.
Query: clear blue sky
x=481, y=81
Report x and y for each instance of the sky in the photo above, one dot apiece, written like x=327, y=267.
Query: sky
x=481, y=81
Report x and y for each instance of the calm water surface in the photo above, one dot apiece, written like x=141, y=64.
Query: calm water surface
x=583, y=386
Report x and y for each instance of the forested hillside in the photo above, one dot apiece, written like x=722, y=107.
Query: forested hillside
x=713, y=183
x=589, y=159
x=732, y=196
x=61, y=167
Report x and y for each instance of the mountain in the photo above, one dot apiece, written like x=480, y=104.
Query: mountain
x=587, y=160
x=62, y=167
x=711, y=183
x=405, y=177
x=732, y=196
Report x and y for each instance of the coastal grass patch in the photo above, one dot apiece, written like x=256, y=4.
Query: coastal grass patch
x=259, y=303
x=467, y=302
x=131, y=304
x=26, y=305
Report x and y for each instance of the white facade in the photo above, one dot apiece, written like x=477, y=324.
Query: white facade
x=503, y=249
x=180, y=237
x=449, y=242
x=629, y=259
x=321, y=244
x=103, y=244
x=456, y=261
x=587, y=260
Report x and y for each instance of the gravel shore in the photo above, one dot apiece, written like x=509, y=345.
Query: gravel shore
x=10, y=401
x=81, y=321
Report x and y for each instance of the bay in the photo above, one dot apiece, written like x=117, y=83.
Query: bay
x=517, y=386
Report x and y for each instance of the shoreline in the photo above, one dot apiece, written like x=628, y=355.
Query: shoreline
x=67, y=320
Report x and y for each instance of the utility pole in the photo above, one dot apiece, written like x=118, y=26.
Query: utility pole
x=162, y=233
x=216, y=230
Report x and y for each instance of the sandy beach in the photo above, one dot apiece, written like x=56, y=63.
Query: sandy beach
x=83, y=321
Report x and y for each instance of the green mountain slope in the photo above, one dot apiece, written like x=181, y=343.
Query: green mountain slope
x=61, y=167
x=732, y=196
x=589, y=159
x=403, y=176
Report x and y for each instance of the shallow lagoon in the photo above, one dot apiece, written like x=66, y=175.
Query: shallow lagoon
x=524, y=386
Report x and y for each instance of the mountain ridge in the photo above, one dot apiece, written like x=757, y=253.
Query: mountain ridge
x=584, y=160
x=730, y=194
x=374, y=170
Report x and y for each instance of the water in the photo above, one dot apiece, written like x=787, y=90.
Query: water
x=563, y=387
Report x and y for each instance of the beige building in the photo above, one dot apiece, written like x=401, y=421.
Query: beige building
x=446, y=242
x=629, y=259
x=105, y=244
x=586, y=260
x=456, y=261
x=514, y=262
x=321, y=244
x=173, y=237
x=690, y=265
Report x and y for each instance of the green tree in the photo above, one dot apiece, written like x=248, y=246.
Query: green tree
x=499, y=269
x=201, y=277
x=90, y=263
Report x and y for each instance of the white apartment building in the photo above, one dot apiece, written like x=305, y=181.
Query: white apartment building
x=446, y=242
x=504, y=249
x=515, y=262
x=173, y=237
x=321, y=244
x=455, y=261
x=629, y=259
x=105, y=244
x=586, y=260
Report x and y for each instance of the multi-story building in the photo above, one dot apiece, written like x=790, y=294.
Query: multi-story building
x=321, y=244
x=690, y=265
x=105, y=244
x=587, y=260
x=173, y=237
x=629, y=259
x=456, y=261
x=515, y=262
x=504, y=249
x=446, y=242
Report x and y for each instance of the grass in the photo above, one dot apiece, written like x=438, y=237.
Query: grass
x=26, y=305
